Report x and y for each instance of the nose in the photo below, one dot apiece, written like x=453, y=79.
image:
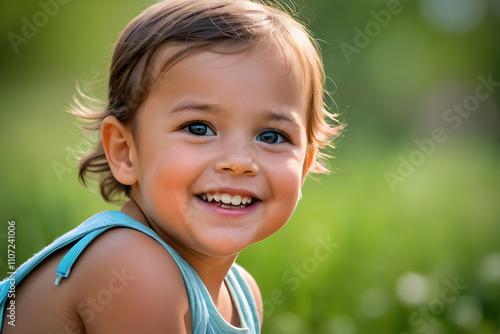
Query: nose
x=237, y=160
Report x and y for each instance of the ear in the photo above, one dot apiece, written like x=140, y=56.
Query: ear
x=309, y=159
x=118, y=144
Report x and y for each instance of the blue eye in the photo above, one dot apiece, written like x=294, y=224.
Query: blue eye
x=272, y=137
x=199, y=129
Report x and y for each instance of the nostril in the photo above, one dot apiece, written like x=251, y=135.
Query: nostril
x=234, y=166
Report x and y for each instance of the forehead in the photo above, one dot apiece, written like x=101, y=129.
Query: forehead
x=263, y=65
x=282, y=55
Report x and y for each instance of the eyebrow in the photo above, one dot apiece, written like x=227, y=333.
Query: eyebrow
x=193, y=105
x=283, y=116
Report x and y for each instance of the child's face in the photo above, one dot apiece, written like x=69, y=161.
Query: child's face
x=221, y=124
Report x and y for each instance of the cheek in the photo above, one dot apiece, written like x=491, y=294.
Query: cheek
x=286, y=182
x=167, y=178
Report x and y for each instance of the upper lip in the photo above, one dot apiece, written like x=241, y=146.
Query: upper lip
x=231, y=191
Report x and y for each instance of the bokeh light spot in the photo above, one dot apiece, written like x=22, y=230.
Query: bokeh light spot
x=454, y=16
x=467, y=312
x=341, y=323
x=289, y=323
x=412, y=288
x=489, y=268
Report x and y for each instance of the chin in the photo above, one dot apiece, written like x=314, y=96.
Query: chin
x=223, y=246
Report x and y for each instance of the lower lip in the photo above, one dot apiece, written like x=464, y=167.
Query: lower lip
x=228, y=212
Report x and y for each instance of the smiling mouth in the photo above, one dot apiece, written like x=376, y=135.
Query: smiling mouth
x=227, y=201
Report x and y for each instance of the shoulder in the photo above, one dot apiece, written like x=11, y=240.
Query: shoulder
x=127, y=282
x=255, y=290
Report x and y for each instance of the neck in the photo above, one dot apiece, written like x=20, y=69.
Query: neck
x=211, y=270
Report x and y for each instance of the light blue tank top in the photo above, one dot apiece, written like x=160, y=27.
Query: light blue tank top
x=205, y=316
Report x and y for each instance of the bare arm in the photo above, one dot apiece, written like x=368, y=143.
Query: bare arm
x=126, y=282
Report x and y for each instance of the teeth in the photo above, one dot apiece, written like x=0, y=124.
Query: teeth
x=246, y=199
x=228, y=200
x=236, y=200
x=225, y=198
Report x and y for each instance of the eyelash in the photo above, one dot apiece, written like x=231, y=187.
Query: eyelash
x=185, y=127
x=280, y=133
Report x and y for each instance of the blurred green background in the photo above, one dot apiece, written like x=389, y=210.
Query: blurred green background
x=403, y=236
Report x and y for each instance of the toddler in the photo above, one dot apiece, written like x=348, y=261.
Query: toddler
x=215, y=115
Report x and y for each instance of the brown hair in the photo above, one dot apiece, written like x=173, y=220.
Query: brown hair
x=197, y=26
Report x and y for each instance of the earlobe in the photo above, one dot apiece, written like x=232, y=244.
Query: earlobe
x=309, y=159
x=117, y=143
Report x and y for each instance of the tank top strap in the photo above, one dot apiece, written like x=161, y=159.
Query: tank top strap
x=243, y=298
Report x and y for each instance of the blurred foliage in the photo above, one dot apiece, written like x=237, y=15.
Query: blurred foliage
x=397, y=248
